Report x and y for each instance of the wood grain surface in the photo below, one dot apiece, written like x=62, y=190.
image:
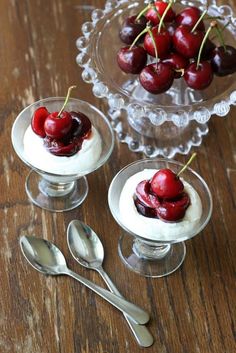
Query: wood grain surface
x=193, y=310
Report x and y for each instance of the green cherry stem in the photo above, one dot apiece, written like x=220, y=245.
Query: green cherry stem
x=142, y=12
x=164, y=15
x=221, y=39
x=187, y=164
x=212, y=25
x=138, y=36
x=66, y=100
x=199, y=20
x=222, y=29
x=154, y=43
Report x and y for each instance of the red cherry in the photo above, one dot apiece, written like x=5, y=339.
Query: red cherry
x=177, y=62
x=189, y=17
x=132, y=60
x=199, y=78
x=160, y=6
x=187, y=43
x=143, y=193
x=166, y=184
x=131, y=28
x=157, y=78
x=173, y=210
x=223, y=60
x=162, y=40
x=58, y=127
x=38, y=119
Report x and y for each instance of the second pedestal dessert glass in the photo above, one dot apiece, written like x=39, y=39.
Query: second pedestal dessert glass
x=160, y=255
x=63, y=190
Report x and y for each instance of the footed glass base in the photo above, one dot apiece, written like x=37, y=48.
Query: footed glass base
x=53, y=196
x=149, y=259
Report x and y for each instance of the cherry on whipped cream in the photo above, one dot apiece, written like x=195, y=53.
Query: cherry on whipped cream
x=57, y=126
x=150, y=205
x=166, y=184
x=38, y=120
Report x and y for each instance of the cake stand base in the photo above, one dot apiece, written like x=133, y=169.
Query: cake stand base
x=150, y=260
x=167, y=139
x=56, y=197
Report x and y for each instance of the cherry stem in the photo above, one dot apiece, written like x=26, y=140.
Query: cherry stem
x=164, y=15
x=199, y=20
x=138, y=36
x=154, y=43
x=187, y=164
x=214, y=18
x=222, y=29
x=66, y=100
x=158, y=15
x=181, y=71
x=142, y=12
x=212, y=25
x=221, y=39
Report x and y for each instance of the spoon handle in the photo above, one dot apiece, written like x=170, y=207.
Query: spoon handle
x=133, y=311
x=140, y=332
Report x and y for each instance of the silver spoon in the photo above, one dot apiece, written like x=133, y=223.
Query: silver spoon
x=48, y=259
x=86, y=247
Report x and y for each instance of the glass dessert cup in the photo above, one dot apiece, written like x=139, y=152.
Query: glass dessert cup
x=60, y=191
x=157, y=125
x=163, y=255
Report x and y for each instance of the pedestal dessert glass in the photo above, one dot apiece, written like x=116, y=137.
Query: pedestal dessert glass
x=60, y=191
x=164, y=124
x=159, y=256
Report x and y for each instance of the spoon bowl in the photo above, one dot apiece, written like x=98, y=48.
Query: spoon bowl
x=84, y=244
x=43, y=255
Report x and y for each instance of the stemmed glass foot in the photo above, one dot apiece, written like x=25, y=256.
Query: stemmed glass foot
x=150, y=259
x=55, y=196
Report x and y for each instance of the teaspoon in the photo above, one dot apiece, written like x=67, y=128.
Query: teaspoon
x=48, y=259
x=86, y=247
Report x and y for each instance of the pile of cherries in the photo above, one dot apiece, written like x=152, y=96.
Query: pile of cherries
x=63, y=132
x=180, y=44
x=163, y=196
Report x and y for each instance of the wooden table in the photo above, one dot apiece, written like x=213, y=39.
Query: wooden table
x=193, y=310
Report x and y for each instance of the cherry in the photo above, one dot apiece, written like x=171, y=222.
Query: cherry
x=187, y=43
x=189, y=17
x=143, y=193
x=177, y=62
x=166, y=184
x=131, y=28
x=171, y=27
x=132, y=60
x=72, y=142
x=157, y=78
x=38, y=119
x=156, y=12
x=57, y=126
x=145, y=210
x=162, y=40
x=173, y=210
x=199, y=76
x=223, y=60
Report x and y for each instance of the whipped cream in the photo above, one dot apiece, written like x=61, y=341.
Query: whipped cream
x=153, y=228
x=84, y=160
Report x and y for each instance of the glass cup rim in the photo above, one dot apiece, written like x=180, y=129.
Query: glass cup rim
x=146, y=160
x=50, y=99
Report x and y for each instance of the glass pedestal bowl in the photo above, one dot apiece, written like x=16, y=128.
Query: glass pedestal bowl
x=160, y=255
x=163, y=124
x=61, y=191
